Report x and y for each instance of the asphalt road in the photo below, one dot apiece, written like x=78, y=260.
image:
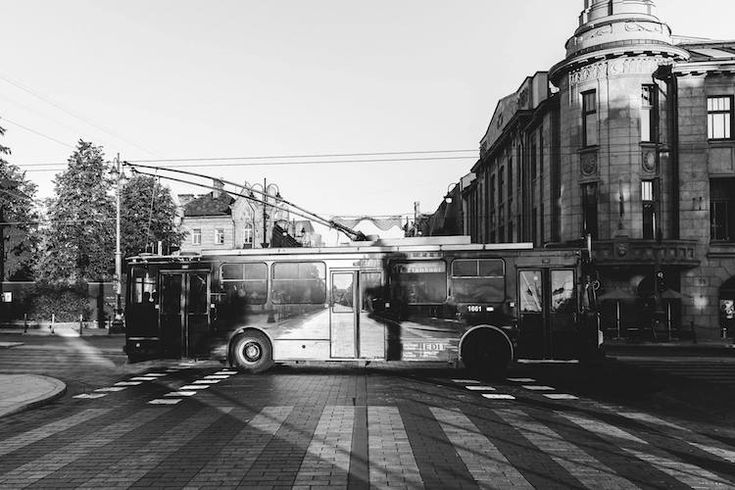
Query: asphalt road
x=199, y=425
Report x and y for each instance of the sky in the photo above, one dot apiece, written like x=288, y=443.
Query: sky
x=409, y=85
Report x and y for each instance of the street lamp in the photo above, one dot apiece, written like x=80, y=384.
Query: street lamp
x=448, y=195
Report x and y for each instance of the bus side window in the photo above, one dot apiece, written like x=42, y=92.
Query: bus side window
x=372, y=291
x=299, y=283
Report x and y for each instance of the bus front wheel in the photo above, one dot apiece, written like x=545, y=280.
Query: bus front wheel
x=252, y=352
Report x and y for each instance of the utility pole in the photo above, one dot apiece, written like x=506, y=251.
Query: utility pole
x=117, y=323
x=265, y=215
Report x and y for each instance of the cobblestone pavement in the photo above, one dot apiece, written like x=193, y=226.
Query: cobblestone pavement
x=188, y=426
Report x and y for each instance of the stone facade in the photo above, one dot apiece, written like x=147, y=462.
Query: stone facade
x=628, y=139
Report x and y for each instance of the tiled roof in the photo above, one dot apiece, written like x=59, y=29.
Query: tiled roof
x=206, y=205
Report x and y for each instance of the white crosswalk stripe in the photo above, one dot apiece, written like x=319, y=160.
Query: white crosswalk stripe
x=588, y=470
x=389, y=449
x=487, y=465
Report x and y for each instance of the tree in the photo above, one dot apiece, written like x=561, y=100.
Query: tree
x=79, y=242
x=147, y=215
x=19, y=220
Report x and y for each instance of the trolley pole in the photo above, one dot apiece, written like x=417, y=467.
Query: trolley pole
x=117, y=322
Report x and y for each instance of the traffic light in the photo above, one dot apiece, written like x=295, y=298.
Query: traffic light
x=661, y=281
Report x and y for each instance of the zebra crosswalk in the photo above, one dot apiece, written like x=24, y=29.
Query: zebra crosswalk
x=503, y=444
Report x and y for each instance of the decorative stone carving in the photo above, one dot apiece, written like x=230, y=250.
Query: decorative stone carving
x=600, y=32
x=648, y=161
x=643, y=27
x=588, y=163
x=614, y=67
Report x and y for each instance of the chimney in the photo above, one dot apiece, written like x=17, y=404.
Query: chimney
x=218, y=187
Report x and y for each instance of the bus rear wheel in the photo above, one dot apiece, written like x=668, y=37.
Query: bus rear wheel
x=485, y=354
x=252, y=352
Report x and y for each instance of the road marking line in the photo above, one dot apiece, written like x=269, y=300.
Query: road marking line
x=165, y=401
x=111, y=388
x=329, y=450
x=686, y=473
x=539, y=388
x=601, y=428
x=591, y=472
x=498, y=396
x=465, y=381
x=47, y=430
x=255, y=436
x=726, y=454
x=217, y=376
x=142, y=378
x=480, y=388
x=194, y=387
x=181, y=393
x=226, y=371
x=128, y=383
x=560, y=396
x=487, y=465
x=39, y=468
x=88, y=396
x=522, y=380
x=154, y=375
x=207, y=381
x=644, y=417
x=390, y=450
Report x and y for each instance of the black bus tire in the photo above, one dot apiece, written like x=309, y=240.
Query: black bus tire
x=252, y=352
x=485, y=355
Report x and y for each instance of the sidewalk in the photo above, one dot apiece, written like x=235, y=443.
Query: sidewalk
x=21, y=391
x=681, y=348
x=61, y=329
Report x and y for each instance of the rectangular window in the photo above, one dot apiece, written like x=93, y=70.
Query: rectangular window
x=416, y=283
x=144, y=285
x=589, y=118
x=219, y=236
x=719, y=117
x=532, y=157
x=722, y=210
x=245, y=283
x=478, y=281
x=299, y=283
x=649, y=113
x=648, y=200
x=247, y=235
x=589, y=209
x=501, y=185
x=196, y=236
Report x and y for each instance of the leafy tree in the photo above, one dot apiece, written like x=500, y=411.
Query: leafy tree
x=147, y=215
x=79, y=243
x=19, y=219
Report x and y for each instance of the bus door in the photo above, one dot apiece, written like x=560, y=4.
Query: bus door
x=548, y=305
x=343, y=314
x=184, y=313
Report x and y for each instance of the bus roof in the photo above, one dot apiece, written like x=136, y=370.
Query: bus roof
x=410, y=244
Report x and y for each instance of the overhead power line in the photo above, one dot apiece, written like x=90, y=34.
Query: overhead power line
x=30, y=130
x=61, y=108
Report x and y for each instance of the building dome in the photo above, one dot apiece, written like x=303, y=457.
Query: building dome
x=612, y=28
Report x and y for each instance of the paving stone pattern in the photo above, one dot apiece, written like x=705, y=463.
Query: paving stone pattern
x=351, y=428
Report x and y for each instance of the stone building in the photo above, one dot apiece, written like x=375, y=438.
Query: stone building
x=216, y=220
x=628, y=139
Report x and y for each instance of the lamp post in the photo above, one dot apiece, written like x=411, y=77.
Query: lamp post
x=117, y=322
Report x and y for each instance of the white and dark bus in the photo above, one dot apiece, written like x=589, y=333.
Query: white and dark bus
x=413, y=299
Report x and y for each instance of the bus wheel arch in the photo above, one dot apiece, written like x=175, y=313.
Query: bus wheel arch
x=251, y=350
x=486, y=350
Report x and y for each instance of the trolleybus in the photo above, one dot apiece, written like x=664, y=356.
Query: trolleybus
x=412, y=299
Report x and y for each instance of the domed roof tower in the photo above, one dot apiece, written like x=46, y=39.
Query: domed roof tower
x=612, y=28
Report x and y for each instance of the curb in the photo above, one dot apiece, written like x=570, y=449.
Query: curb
x=58, y=390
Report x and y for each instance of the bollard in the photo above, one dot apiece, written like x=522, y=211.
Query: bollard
x=53, y=320
x=25, y=322
x=80, y=325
